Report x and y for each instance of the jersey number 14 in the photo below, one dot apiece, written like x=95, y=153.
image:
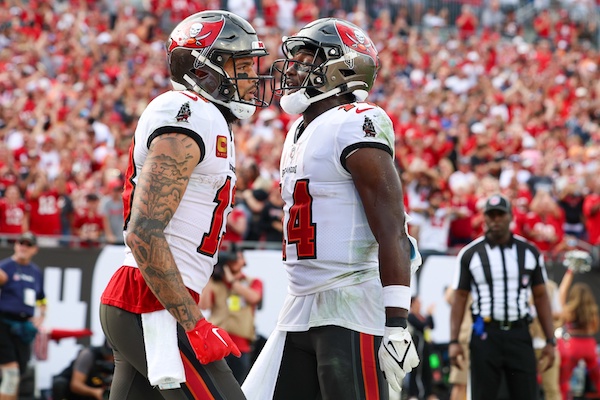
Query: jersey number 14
x=301, y=230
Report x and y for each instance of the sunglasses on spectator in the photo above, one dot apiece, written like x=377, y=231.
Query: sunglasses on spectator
x=25, y=243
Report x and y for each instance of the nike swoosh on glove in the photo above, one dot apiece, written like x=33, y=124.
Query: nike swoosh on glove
x=211, y=343
x=397, y=356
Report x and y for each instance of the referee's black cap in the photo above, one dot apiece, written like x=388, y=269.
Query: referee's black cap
x=497, y=202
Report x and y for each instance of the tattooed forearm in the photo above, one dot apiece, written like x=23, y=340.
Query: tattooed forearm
x=161, y=185
x=161, y=274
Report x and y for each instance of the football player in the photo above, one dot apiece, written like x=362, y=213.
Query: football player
x=342, y=330
x=178, y=192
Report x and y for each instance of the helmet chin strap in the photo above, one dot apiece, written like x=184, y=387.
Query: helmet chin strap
x=239, y=110
x=298, y=102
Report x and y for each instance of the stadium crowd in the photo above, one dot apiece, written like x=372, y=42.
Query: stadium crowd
x=477, y=108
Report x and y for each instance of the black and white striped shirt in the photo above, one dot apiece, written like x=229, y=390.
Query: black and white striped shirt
x=500, y=277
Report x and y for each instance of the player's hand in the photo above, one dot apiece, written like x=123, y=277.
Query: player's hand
x=211, y=343
x=397, y=356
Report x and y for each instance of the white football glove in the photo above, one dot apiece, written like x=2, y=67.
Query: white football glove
x=397, y=356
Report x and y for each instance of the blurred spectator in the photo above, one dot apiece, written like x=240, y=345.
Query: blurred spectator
x=433, y=20
x=511, y=27
x=565, y=31
x=591, y=212
x=8, y=171
x=513, y=173
x=237, y=224
x=580, y=312
x=244, y=8
x=550, y=377
x=22, y=311
x=420, y=384
x=89, y=223
x=420, y=180
x=43, y=211
x=255, y=200
x=570, y=200
x=463, y=176
x=285, y=15
x=272, y=216
x=542, y=24
x=12, y=212
x=543, y=224
x=466, y=23
x=67, y=209
x=232, y=297
x=492, y=17
x=461, y=226
x=306, y=11
x=88, y=377
x=434, y=229
x=541, y=178
x=458, y=378
x=112, y=212
x=49, y=158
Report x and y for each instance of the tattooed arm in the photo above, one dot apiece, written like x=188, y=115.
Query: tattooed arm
x=161, y=185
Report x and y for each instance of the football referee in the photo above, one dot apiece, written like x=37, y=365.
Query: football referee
x=499, y=269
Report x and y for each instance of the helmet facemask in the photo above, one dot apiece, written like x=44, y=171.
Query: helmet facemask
x=315, y=71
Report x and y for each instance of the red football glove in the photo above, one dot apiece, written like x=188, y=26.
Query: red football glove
x=211, y=343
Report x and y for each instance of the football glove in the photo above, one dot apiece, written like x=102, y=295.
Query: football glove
x=211, y=343
x=397, y=356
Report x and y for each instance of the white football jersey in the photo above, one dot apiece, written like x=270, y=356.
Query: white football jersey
x=327, y=239
x=194, y=233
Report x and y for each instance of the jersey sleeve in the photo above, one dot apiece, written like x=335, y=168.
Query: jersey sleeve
x=84, y=361
x=462, y=275
x=177, y=112
x=40, y=294
x=364, y=125
x=539, y=276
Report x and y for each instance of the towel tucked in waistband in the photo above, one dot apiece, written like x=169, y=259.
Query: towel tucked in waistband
x=165, y=367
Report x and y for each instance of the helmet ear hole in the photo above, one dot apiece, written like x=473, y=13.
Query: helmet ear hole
x=226, y=90
x=218, y=59
x=347, y=72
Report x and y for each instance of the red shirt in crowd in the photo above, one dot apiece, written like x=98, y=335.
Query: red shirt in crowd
x=44, y=213
x=467, y=25
x=230, y=234
x=89, y=226
x=12, y=216
x=461, y=228
x=544, y=231
x=305, y=12
x=543, y=24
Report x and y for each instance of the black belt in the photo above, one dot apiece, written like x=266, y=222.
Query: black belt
x=508, y=325
x=15, y=317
